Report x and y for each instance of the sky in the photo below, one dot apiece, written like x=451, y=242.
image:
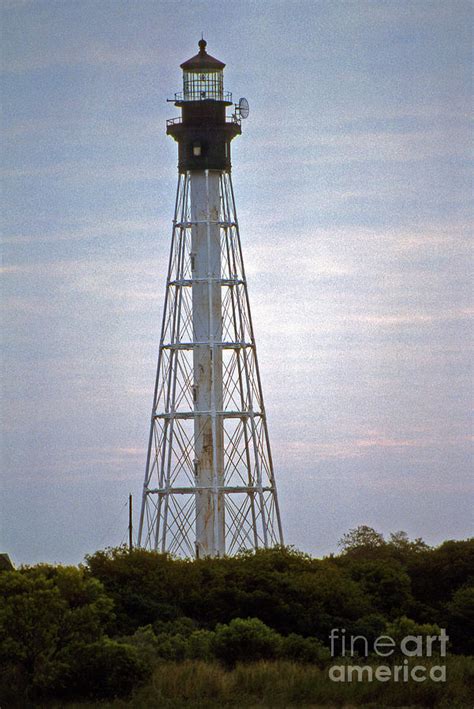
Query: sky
x=353, y=188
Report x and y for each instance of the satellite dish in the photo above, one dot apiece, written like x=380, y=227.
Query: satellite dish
x=243, y=108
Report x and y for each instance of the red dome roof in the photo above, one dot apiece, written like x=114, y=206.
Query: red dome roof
x=202, y=61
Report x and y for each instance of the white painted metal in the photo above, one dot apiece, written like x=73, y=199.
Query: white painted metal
x=209, y=485
x=207, y=362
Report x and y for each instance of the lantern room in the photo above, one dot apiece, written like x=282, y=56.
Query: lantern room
x=203, y=77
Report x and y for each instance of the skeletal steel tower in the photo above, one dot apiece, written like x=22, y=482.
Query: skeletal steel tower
x=209, y=486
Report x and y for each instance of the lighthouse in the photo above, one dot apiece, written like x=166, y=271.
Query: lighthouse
x=209, y=486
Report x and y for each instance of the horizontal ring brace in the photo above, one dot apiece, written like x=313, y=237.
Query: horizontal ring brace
x=187, y=225
x=222, y=345
x=210, y=279
x=200, y=488
x=220, y=414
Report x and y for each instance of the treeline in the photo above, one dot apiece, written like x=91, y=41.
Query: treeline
x=99, y=630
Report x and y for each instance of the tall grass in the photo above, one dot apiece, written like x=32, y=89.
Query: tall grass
x=206, y=685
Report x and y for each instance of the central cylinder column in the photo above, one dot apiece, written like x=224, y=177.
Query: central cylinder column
x=207, y=362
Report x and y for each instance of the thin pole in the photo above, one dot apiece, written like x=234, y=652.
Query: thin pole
x=130, y=523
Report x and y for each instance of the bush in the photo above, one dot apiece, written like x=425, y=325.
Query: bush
x=461, y=619
x=55, y=621
x=305, y=650
x=402, y=627
x=370, y=626
x=103, y=670
x=245, y=641
x=181, y=626
x=200, y=645
x=172, y=646
x=145, y=642
x=45, y=611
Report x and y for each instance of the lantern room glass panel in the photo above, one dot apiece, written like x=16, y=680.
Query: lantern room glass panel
x=202, y=85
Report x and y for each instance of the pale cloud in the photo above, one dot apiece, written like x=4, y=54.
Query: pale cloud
x=15, y=4
x=272, y=244
x=91, y=228
x=261, y=257
x=317, y=451
x=414, y=318
x=421, y=484
x=115, y=451
x=83, y=171
x=82, y=463
x=95, y=54
x=357, y=145
x=101, y=53
x=390, y=146
x=348, y=118
x=82, y=128
x=337, y=254
x=18, y=305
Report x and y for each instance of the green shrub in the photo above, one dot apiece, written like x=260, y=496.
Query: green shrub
x=180, y=626
x=145, y=642
x=370, y=626
x=171, y=647
x=245, y=641
x=402, y=627
x=200, y=645
x=461, y=619
x=45, y=610
x=304, y=650
x=102, y=670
